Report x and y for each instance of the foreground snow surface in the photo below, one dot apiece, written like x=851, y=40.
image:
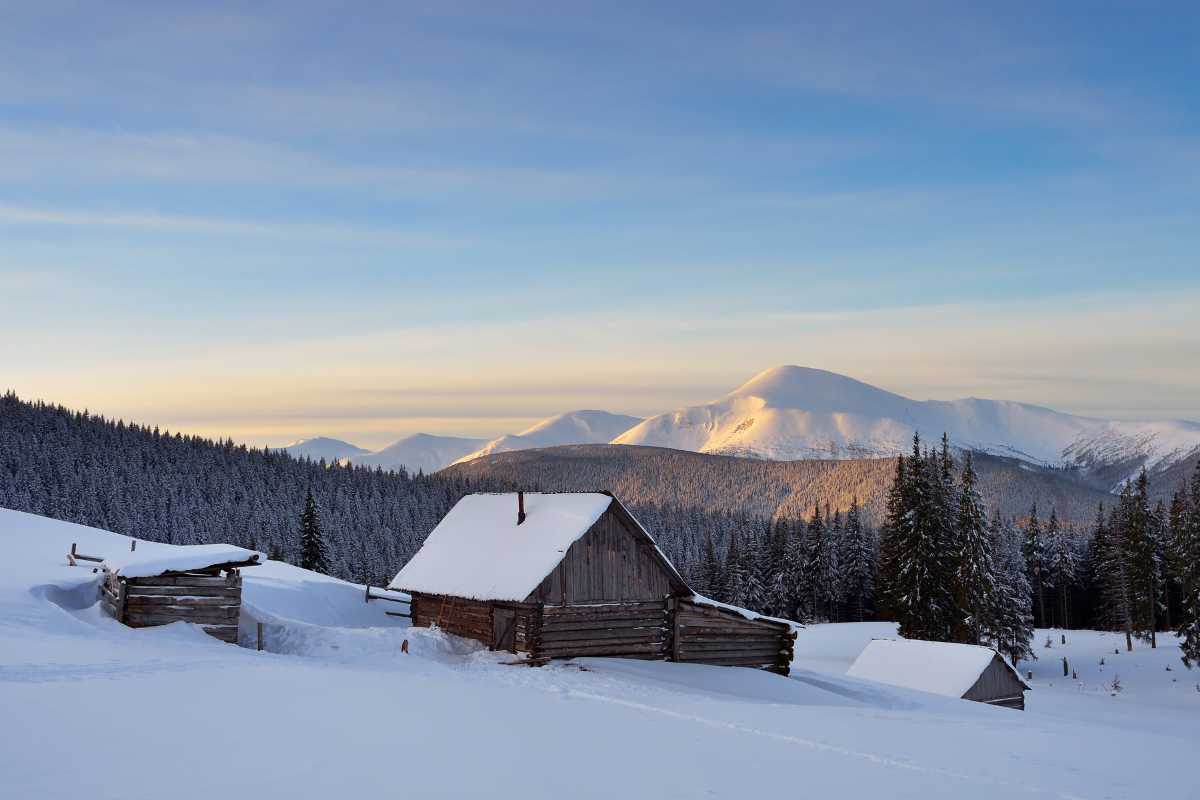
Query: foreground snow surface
x=333, y=708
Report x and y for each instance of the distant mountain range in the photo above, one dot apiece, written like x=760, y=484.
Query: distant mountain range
x=428, y=453
x=793, y=413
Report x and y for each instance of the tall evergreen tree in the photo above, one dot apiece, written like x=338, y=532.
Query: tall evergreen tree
x=1185, y=558
x=975, y=579
x=917, y=567
x=710, y=570
x=735, y=573
x=1012, y=616
x=1061, y=564
x=1034, y=550
x=314, y=552
x=1145, y=563
x=859, y=570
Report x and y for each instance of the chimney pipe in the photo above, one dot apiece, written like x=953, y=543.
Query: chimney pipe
x=520, y=507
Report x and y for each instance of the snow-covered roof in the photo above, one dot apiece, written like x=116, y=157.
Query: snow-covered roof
x=158, y=560
x=941, y=668
x=480, y=552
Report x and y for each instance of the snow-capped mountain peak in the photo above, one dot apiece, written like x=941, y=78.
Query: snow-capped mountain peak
x=320, y=447
x=573, y=427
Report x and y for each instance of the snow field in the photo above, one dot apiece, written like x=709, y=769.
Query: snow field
x=335, y=709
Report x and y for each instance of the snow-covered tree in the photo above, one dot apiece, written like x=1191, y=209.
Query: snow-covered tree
x=1061, y=563
x=858, y=572
x=1011, y=629
x=1034, y=550
x=917, y=559
x=314, y=552
x=975, y=576
x=1185, y=559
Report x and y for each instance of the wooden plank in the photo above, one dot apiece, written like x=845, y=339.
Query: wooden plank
x=734, y=633
x=606, y=650
x=643, y=635
x=602, y=623
x=689, y=621
x=730, y=662
x=139, y=601
x=185, y=580
x=166, y=616
x=749, y=653
x=183, y=591
x=634, y=608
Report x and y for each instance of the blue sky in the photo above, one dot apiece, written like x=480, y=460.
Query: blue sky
x=365, y=220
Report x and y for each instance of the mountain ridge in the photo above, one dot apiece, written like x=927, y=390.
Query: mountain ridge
x=791, y=413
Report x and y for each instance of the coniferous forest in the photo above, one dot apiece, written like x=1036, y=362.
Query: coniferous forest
x=942, y=564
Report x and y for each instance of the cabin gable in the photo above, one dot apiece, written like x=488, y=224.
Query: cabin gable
x=610, y=563
x=998, y=682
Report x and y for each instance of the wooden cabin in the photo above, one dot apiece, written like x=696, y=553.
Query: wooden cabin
x=952, y=670
x=564, y=575
x=161, y=585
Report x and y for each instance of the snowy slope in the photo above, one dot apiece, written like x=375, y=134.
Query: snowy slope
x=421, y=451
x=322, y=447
x=328, y=709
x=573, y=427
x=789, y=413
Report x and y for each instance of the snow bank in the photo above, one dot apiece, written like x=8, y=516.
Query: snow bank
x=480, y=552
x=938, y=667
x=175, y=558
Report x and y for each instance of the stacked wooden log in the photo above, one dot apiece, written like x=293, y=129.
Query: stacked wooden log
x=211, y=601
x=471, y=619
x=631, y=630
x=707, y=634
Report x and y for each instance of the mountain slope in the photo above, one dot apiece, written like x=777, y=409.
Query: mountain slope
x=789, y=413
x=573, y=427
x=641, y=476
x=323, y=447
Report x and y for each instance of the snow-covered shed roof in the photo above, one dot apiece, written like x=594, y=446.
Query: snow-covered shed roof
x=480, y=552
x=941, y=668
x=157, y=560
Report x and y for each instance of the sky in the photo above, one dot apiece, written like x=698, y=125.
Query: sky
x=365, y=220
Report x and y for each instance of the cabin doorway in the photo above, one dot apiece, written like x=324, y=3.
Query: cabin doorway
x=504, y=629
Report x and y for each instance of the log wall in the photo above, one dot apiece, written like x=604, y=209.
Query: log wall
x=703, y=634
x=214, y=603
x=631, y=630
x=459, y=616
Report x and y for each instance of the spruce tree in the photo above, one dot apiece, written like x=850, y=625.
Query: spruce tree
x=314, y=552
x=975, y=578
x=735, y=573
x=1061, y=563
x=1011, y=630
x=859, y=571
x=710, y=570
x=1145, y=564
x=1034, y=550
x=1185, y=558
x=917, y=559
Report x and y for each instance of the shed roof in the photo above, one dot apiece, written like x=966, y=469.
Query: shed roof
x=941, y=668
x=158, y=559
x=480, y=552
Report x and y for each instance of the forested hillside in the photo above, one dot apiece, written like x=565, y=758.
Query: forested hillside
x=168, y=487
x=644, y=475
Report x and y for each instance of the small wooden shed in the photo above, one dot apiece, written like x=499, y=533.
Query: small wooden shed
x=574, y=574
x=953, y=670
x=200, y=584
